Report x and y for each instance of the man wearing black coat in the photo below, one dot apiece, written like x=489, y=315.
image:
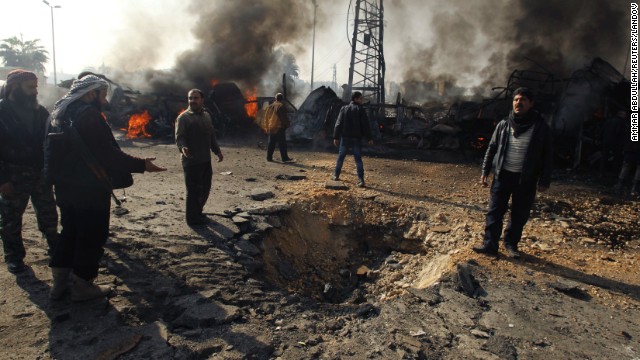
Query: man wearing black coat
x=22, y=130
x=351, y=127
x=84, y=199
x=520, y=155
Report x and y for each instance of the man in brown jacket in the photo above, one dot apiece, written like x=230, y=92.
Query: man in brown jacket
x=277, y=124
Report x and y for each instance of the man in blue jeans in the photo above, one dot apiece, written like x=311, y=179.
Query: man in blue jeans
x=520, y=156
x=352, y=125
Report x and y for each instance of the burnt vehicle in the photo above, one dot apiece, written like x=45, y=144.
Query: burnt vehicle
x=227, y=106
x=590, y=95
x=315, y=117
x=574, y=108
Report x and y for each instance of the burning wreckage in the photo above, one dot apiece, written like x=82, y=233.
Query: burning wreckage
x=575, y=108
x=146, y=115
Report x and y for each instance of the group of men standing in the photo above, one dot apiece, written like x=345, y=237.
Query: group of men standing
x=79, y=162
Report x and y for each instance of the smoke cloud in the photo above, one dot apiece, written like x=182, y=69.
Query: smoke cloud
x=474, y=46
x=249, y=42
x=434, y=50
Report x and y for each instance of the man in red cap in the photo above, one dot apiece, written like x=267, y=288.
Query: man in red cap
x=22, y=131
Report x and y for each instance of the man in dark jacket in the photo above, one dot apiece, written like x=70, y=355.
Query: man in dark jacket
x=277, y=119
x=84, y=199
x=22, y=129
x=351, y=127
x=521, y=157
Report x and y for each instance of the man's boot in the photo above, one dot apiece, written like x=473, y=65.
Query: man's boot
x=86, y=290
x=60, y=282
x=635, y=189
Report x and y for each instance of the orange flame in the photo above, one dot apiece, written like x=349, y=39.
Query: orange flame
x=251, y=105
x=137, y=125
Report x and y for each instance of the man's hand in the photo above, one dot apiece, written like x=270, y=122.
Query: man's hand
x=336, y=142
x=149, y=166
x=185, y=152
x=484, y=180
x=370, y=142
x=220, y=156
x=7, y=190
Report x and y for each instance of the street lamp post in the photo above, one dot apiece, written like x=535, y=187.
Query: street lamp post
x=53, y=38
x=313, y=46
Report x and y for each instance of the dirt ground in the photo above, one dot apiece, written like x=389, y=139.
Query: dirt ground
x=288, y=269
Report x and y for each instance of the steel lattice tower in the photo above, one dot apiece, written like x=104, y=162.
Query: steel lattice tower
x=366, y=71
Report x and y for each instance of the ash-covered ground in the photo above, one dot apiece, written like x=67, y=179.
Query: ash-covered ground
x=288, y=269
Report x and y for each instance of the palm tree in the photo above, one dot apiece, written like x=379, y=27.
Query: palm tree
x=25, y=54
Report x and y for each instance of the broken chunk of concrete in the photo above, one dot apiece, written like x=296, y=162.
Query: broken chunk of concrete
x=261, y=194
x=291, y=177
x=335, y=185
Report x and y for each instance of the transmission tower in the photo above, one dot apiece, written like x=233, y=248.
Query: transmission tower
x=366, y=71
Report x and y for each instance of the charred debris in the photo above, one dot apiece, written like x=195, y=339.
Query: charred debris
x=574, y=107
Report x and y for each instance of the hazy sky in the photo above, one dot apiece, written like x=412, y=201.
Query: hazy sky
x=88, y=33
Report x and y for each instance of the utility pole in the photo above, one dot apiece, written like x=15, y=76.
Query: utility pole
x=335, y=81
x=313, y=46
x=367, y=67
x=53, y=38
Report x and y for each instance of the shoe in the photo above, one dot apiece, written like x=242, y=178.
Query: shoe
x=269, y=160
x=486, y=250
x=83, y=290
x=289, y=160
x=361, y=184
x=16, y=267
x=335, y=178
x=512, y=252
x=60, y=283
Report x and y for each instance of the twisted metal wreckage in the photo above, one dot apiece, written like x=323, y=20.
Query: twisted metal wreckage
x=574, y=108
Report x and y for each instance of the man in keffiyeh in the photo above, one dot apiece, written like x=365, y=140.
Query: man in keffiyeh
x=520, y=154
x=83, y=199
x=22, y=131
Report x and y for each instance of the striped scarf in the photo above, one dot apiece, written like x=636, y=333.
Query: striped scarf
x=79, y=88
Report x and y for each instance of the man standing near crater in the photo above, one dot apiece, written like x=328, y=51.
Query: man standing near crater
x=520, y=155
x=196, y=139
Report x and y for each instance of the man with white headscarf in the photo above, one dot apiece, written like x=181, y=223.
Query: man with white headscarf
x=22, y=130
x=82, y=197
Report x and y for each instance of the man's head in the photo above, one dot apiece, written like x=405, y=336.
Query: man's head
x=357, y=97
x=196, y=100
x=97, y=97
x=90, y=89
x=22, y=87
x=279, y=97
x=522, y=101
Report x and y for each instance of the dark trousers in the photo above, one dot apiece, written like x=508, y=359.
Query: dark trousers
x=522, y=194
x=80, y=245
x=356, y=146
x=281, y=139
x=28, y=185
x=197, y=179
